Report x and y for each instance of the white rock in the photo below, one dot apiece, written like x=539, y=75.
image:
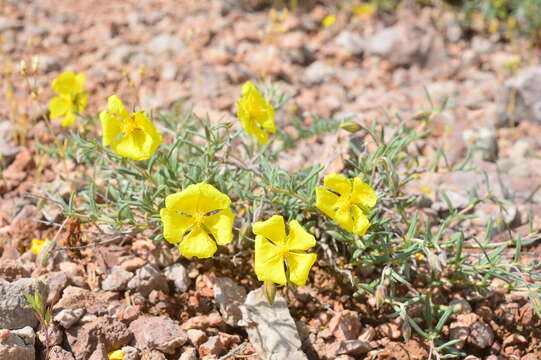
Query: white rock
x=271, y=329
x=117, y=280
x=67, y=317
x=179, y=276
x=229, y=297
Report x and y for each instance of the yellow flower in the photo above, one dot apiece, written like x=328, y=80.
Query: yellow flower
x=255, y=113
x=273, y=249
x=197, y=218
x=116, y=355
x=71, y=99
x=131, y=136
x=38, y=244
x=346, y=201
x=329, y=20
x=365, y=9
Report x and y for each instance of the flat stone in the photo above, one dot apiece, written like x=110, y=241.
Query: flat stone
x=159, y=333
x=17, y=344
x=130, y=353
x=196, y=336
x=57, y=353
x=229, y=297
x=68, y=317
x=351, y=347
x=88, y=337
x=179, y=276
x=148, y=278
x=271, y=329
x=481, y=335
x=15, y=311
x=213, y=347
x=519, y=99
x=117, y=279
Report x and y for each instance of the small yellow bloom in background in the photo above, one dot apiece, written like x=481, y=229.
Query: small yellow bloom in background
x=328, y=21
x=346, y=201
x=131, y=136
x=197, y=219
x=71, y=99
x=255, y=113
x=513, y=62
x=365, y=9
x=274, y=250
x=116, y=355
x=38, y=244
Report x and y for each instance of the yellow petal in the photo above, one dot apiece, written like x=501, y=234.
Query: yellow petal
x=198, y=198
x=68, y=120
x=221, y=226
x=197, y=243
x=136, y=146
x=66, y=84
x=59, y=106
x=299, y=267
x=80, y=79
x=365, y=9
x=326, y=201
x=269, y=265
x=363, y=193
x=273, y=229
x=116, y=355
x=175, y=225
x=38, y=244
x=360, y=221
x=149, y=128
x=329, y=20
x=81, y=101
x=111, y=127
x=248, y=87
x=344, y=218
x=338, y=183
x=249, y=124
x=299, y=238
x=116, y=106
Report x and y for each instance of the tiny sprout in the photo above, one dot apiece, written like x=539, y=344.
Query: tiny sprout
x=270, y=291
x=35, y=64
x=380, y=296
x=535, y=302
x=406, y=331
x=23, y=68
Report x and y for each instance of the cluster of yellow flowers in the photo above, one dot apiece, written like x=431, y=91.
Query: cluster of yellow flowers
x=199, y=218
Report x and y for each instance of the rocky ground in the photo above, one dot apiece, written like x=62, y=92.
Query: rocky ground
x=133, y=296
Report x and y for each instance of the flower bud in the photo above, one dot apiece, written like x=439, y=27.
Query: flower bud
x=380, y=296
x=351, y=126
x=406, y=331
x=434, y=262
x=270, y=291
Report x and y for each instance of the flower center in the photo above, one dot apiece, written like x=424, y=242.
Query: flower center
x=255, y=112
x=282, y=250
x=198, y=218
x=130, y=126
x=346, y=202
